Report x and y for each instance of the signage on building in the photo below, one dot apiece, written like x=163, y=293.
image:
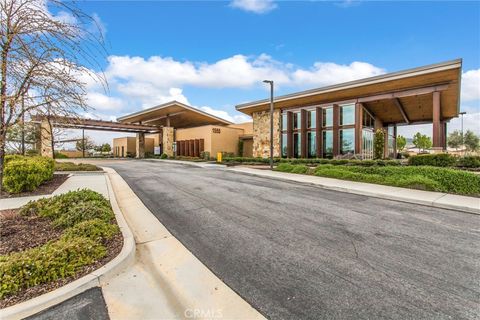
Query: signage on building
x=156, y=150
x=215, y=130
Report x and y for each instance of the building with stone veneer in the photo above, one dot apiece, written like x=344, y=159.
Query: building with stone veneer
x=340, y=120
x=183, y=131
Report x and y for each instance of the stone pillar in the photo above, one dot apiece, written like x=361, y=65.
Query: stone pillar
x=140, y=145
x=45, y=139
x=261, y=134
x=167, y=135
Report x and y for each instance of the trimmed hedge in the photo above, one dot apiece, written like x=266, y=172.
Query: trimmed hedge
x=315, y=161
x=70, y=166
x=436, y=160
x=88, y=221
x=26, y=173
x=423, y=178
x=469, y=162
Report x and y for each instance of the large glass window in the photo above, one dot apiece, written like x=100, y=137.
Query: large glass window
x=311, y=119
x=297, y=142
x=347, y=141
x=368, y=120
x=284, y=122
x=312, y=144
x=328, y=144
x=328, y=117
x=297, y=121
x=347, y=114
x=284, y=145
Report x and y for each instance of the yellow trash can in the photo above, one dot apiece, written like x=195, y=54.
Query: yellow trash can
x=219, y=157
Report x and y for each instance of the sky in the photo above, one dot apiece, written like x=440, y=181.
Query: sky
x=215, y=54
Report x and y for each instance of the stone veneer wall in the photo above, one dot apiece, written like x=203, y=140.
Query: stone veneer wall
x=261, y=134
x=168, y=141
x=45, y=139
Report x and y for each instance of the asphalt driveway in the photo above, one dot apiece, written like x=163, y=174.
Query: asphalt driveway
x=301, y=252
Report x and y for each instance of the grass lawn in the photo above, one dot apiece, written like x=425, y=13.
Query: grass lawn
x=423, y=177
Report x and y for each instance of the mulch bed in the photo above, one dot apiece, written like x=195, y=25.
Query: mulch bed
x=26, y=232
x=45, y=188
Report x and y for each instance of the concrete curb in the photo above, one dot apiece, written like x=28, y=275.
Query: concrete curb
x=94, y=279
x=426, y=198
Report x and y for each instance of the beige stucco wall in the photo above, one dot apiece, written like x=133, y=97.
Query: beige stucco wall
x=261, y=134
x=226, y=140
x=156, y=138
x=129, y=144
x=203, y=132
x=247, y=127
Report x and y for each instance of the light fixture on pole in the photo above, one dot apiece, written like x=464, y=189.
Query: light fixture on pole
x=462, y=113
x=271, y=121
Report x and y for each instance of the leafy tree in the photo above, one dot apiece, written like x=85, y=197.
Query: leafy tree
x=14, y=137
x=422, y=141
x=401, y=143
x=471, y=141
x=86, y=144
x=378, y=144
x=106, y=147
x=455, y=139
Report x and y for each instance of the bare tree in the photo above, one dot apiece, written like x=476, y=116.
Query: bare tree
x=49, y=51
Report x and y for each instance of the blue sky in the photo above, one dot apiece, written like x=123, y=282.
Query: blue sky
x=215, y=54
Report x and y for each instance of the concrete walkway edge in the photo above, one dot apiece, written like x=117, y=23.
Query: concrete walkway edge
x=427, y=198
x=94, y=279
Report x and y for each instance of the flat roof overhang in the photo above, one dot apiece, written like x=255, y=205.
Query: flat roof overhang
x=393, y=97
x=174, y=114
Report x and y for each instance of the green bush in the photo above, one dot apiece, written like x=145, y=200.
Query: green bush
x=26, y=173
x=164, y=156
x=302, y=169
x=436, y=160
x=50, y=262
x=60, y=205
x=469, y=162
x=83, y=211
x=422, y=177
x=378, y=144
x=58, y=155
x=94, y=229
x=285, y=167
x=70, y=166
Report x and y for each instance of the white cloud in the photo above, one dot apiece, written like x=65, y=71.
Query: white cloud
x=237, y=118
x=100, y=101
x=471, y=85
x=255, y=6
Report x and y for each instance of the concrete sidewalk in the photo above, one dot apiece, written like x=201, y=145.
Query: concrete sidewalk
x=434, y=199
x=93, y=180
x=167, y=281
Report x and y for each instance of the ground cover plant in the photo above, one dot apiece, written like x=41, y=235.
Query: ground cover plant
x=70, y=166
x=414, y=177
x=26, y=173
x=83, y=233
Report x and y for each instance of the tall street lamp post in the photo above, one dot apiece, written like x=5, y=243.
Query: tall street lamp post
x=271, y=121
x=462, y=113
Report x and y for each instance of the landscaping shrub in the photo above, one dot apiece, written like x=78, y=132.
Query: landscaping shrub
x=26, y=173
x=70, y=166
x=95, y=229
x=469, y=162
x=425, y=177
x=285, y=167
x=436, y=160
x=164, y=156
x=50, y=262
x=378, y=144
x=87, y=219
x=300, y=169
x=58, y=155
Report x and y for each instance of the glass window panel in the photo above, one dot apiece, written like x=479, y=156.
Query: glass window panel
x=284, y=122
x=297, y=145
x=312, y=119
x=328, y=117
x=312, y=144
x=284, y=145
x=297, y=121
x=347, y=114
x=328, y=144
x=347, y=141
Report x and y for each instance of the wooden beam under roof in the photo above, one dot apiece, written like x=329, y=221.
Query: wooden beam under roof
x=399, y=105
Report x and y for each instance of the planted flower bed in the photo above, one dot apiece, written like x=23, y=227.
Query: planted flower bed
x=77, y=233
